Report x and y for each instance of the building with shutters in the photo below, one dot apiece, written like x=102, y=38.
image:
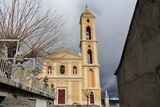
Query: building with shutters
x=76, y=77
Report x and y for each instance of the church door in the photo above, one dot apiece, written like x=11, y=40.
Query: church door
x=61, y=96
x=92, y=98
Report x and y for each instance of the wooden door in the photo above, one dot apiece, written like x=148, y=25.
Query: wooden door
x=92, y=98
x=61, y=96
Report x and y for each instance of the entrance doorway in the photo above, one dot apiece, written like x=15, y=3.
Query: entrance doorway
x=61, y=96
x=91, y=98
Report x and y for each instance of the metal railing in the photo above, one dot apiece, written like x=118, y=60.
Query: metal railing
x=6, y=70
x=10, y=69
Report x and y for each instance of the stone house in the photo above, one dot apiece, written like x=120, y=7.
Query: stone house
x=138, y=72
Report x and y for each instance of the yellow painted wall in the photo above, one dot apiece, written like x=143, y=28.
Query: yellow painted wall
x=90, y=78
x=75, y=91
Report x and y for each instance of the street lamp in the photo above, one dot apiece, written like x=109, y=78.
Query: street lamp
x=87, y=94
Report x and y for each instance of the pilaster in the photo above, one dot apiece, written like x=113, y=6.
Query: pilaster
x=95, y=50
x=69, y=92
x=54, y=69
x=80, y=69
x=85, y=78
x=80, y=91
x=69, y=68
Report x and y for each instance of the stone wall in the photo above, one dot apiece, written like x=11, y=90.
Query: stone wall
x=138, y=83
x=17, y=101
x=14, y=94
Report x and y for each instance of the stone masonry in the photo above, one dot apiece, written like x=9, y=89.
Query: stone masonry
x=137, y=74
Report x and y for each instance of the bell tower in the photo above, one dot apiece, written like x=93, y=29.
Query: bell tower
x=89, y=52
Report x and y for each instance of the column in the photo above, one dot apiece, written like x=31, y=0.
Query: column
x=96, y=77
x=85, y=78
x=44, y=69
x=55, y=69
x=84, y=51
x=69, y=68
x=80, y=91
x=80, y=69
x=69, y=92
x=83, y=32
x=94, y=31
x=95, y=53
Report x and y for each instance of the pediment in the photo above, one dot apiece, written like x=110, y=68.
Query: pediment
x=64, y=55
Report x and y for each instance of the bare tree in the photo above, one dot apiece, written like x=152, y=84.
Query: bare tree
x=39, y=32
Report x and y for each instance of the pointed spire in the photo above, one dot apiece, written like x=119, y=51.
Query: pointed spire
x=87, y=12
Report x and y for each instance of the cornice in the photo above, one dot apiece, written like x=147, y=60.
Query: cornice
x=65, y=77
x=91, y=65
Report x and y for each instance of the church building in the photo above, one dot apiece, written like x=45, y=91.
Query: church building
x=76, y=77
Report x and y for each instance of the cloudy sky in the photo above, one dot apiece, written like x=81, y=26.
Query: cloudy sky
x=112, y=22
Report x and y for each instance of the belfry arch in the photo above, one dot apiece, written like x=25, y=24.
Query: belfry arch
x=90, y=57
x=88, y=33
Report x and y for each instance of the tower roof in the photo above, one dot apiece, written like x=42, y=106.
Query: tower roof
x=87, y=14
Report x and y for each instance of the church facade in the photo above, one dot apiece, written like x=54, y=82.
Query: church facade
x=76, y=77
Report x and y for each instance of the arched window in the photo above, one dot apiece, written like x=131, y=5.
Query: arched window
x=88, y=33
x=49, y=70
x=89, y=56
x=62, y=69
x=74, y=70
x=91, y=98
